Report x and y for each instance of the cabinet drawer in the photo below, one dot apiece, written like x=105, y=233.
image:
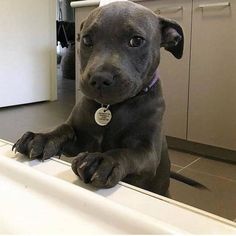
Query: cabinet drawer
x=167, y=8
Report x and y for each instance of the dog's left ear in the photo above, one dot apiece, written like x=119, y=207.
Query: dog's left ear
x=172, y=37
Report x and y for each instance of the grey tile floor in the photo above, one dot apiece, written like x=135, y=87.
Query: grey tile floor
x=43, y=116
x=218, y=176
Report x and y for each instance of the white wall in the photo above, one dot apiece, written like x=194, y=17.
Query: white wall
x=27, y=51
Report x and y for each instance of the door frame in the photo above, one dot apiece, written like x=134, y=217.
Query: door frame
x=53, y=53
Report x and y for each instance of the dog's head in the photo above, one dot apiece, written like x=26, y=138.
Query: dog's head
x=120, y=50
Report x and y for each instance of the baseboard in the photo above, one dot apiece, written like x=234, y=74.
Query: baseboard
x=202, y=149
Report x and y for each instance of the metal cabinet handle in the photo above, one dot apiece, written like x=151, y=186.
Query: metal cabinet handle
x=214, y=5
x=168, y=9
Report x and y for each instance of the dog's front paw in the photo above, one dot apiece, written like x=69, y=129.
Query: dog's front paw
x=39, y=146
x=100, y=170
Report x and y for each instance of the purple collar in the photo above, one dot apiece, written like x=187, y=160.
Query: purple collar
x=152, y=83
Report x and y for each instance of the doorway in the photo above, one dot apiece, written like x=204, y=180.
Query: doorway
x=65, y=52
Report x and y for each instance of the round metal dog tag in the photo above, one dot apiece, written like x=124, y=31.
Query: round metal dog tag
x=103, y=116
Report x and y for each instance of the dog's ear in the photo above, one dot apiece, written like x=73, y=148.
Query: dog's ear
x=172, y=37
x=81, y=27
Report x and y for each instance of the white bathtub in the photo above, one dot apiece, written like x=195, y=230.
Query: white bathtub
x=47, y=197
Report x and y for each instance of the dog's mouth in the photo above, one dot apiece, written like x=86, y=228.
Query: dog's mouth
x=110, y=96
x=105, y=98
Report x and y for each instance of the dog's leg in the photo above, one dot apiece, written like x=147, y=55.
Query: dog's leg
x=138, y=154
x=44, y=145
x=168, y=194
x=160, y=183
x=106, y=169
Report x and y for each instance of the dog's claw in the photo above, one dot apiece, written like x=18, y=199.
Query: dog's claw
x=59, y=155
x=46, y=156
x=94, y=176
x=13, y=147
x=31, y=154
x=83, y=165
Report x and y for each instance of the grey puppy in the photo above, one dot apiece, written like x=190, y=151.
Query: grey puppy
x=119, y=55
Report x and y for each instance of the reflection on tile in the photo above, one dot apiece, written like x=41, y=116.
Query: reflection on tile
x=217, y=168
x=181, y=158
x=220, y=200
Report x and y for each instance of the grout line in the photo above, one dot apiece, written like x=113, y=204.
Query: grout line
x=211, y=175
x=176, y=165
x=218, y=176
x=188, y=165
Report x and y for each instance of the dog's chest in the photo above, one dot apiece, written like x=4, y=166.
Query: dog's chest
x=126, y=121
x=112, y=134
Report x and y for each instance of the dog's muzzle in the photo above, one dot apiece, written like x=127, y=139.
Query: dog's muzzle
x=102, y=81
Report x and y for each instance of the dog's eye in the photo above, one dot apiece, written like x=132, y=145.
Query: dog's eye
x=87, y=41
x=136, y=41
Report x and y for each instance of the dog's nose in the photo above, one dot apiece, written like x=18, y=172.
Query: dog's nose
x=101, y=80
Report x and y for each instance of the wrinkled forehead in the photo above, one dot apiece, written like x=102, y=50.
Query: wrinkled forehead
x=122, y=16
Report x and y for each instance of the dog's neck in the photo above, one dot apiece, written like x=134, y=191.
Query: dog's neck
x=156, y=77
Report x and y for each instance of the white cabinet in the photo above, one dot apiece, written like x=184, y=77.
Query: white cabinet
x=175, y=73
x=212, y=88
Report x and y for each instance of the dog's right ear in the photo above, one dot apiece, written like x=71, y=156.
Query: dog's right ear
x=172, y=36
x=81, y=27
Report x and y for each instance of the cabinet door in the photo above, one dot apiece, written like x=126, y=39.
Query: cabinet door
x=175, y=73
x=212, y=101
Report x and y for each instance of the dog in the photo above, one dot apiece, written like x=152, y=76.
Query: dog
x=115, y=131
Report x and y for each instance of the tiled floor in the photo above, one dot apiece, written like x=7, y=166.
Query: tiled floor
x=43, y=116
x=218, y=176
